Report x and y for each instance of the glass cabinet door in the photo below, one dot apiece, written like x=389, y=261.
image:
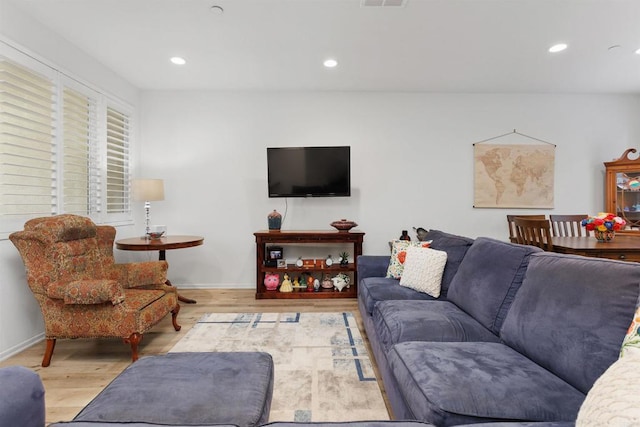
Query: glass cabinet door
x=622, y=189
x=627, y=197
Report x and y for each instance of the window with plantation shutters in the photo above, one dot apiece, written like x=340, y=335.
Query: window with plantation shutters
x=28, y=181
x=117, y=161
x=80, y=165
x=64, y=146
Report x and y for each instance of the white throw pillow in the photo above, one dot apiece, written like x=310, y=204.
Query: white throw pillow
x=613, y=399
x=423, y=270
x=399, y=255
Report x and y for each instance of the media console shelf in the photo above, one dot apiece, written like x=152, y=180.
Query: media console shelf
x=264, y=238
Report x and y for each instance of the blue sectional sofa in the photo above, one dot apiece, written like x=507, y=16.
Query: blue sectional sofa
x=517, y=335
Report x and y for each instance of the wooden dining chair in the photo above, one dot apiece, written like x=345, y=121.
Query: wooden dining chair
x=534, y=232
x=512, y=228
x=568, y=225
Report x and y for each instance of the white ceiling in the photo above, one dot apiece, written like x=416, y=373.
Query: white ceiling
x=425, y=45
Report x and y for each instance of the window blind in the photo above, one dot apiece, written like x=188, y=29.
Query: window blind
x=28, y=182
x=81, y=173
x=117, y=161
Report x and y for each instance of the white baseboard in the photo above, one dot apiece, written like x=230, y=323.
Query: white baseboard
x=21, y=347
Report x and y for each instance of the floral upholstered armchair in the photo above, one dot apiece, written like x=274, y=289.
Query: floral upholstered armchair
x=82, y=292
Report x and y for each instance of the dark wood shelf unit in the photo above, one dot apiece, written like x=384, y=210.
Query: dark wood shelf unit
x=264, y=238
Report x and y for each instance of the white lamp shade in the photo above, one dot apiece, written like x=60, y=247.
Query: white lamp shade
x=148, y=189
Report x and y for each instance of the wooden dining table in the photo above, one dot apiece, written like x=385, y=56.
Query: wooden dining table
x=623, y=247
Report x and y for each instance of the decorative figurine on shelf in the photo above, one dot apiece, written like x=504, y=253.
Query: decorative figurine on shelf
x=275, y=220
x=286, y=284
x=271, y=281
x=344, y=259
x=296, y=282
x=316, y=285
x=341, y=281
x=309, y=283
x=327, y=283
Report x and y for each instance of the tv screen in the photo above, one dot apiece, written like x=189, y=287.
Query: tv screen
x=309, y=171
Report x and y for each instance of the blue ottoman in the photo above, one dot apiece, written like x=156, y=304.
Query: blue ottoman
x=188, y=389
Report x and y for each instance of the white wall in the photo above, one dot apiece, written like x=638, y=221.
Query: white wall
x=20, y=318
x=411, y=163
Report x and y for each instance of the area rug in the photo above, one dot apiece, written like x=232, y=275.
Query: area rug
x=322, y=369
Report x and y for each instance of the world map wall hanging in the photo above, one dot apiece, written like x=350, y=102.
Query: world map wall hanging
x=513, y=175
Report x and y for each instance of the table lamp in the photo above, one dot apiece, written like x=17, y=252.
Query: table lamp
x=147, y=190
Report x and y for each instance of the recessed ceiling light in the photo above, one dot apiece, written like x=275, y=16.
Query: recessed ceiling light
x=638, y=51
x=178, y=60
x=558, y=47
x=330, y=63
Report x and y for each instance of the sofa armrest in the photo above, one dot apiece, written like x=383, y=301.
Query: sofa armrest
x=372, y=266
x=88, y=291
x=138, y=274
x=21, y=398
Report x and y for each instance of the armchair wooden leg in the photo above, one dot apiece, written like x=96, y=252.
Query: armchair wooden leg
x=48, y=352
x=174, y=317
x=134, y=339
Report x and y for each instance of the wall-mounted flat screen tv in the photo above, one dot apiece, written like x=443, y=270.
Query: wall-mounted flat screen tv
x=309, y=171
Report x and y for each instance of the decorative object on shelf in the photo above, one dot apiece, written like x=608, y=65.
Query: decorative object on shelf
x=308, y=263
x=344, y=259
x=316, y=285
x=327, y=283
x=604, y=225
x=405, y=236
x=329, y=261
x=274, y=254
x=282, y=263
x=299, y=262
x=147, y=190
x=310, y=280
x=286, y=285
x=340, y=281
x=275, y=220
x=343, y=225
x=271, y=281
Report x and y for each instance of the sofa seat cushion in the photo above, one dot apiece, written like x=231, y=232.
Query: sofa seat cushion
x=488, y=278
x=189, y=388
x=402, y=321
x=457, y=383
x=374, y=289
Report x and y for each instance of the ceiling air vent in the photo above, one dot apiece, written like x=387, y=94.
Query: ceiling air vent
x=382, y=3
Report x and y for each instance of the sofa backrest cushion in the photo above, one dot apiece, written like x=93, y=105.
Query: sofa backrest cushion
x=488, y=278
x=455, y=247
x=571, y=314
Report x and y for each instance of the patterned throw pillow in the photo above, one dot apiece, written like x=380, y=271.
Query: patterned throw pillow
x=613, y=399
x=399, y=254
x=423, y=270
x=631, y=342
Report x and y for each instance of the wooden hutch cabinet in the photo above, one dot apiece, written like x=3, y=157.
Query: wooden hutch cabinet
x=622, y=188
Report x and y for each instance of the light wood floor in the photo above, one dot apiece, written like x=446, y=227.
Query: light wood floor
x=80, y=369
